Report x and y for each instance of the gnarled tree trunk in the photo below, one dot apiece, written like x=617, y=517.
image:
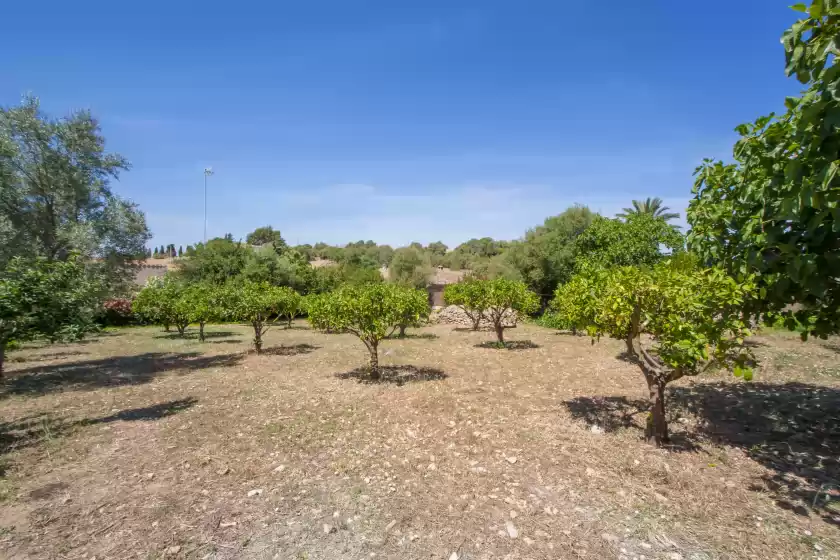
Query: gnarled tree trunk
x=402, y=331
x=373, y=347
x=500, y=331
x=656, y=430
x=257, y=337
x=201, y=331
x=166, y=327
x=181, y=329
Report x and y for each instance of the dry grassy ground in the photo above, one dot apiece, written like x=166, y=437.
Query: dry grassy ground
x=137, y=444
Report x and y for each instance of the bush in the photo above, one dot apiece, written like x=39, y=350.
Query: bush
x=117, y=313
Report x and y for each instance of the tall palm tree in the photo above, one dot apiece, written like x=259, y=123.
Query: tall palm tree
x=652, y=206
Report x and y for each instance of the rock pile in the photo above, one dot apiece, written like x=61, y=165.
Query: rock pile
x=453, y=315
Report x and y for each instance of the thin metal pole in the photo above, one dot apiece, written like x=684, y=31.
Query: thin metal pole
x=205, y=207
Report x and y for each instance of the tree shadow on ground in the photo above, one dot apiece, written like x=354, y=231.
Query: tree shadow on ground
x=396, y=375
x=41, y=428
x=470, y=329
x=108, y=372
x=46, y=357
x=508, y=345
x=193, y=335
x=793, y=429
x=411, y=336
x=146, y=413
x=292, y=350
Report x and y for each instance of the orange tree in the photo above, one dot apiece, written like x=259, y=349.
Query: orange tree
x=676, y=320
x=369, y=311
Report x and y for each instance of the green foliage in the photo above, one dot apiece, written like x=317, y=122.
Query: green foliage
x=471, y=296
x=635, y=241
x=160, y=301
x=290, y=304
x=43, y=299
x=217, y=261
x=55, y=195
x=774, y=212
x=201, y=303
x=546, y=256
x=676, y=320
x=369, y=311
x=652, y=207
x=506, y=298
x=410, y=267
x=266, y=235
x=256, y=304
x=466, y=254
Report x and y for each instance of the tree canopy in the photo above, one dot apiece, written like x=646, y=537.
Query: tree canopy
x=410, y=267
x=652, y=207
x=637, y=240
x=39, y=298
x=55, y=195
x=774, y=211
x=546, y=256
x=369, y=311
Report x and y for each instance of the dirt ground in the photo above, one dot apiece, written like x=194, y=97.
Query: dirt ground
x=137, y=444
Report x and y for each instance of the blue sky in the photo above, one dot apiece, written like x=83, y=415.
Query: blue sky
x=400, y=121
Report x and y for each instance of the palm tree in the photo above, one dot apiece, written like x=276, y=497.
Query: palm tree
x=652, y=206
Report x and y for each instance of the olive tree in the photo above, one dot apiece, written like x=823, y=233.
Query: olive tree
x=470, y=296
x=675, y=318
x=256, y=304
x=368, y=311
x=505, y=299
x=48, y=300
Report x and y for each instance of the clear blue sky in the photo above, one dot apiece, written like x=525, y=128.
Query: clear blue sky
x=400, y=121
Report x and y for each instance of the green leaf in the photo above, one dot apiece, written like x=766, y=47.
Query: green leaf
x=800, y=8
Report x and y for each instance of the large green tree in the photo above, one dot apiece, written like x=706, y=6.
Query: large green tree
x=546, y=256
x=55, y=194
x=410, y=267
x=774, y=212
x=217, y=261
x=267, y=235
x=640, y=239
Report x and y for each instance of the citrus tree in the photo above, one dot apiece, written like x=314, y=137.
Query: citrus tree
x=160, y=302
x=48, y=300
x=257, y=304
x=290, y=304
x=506, y=298
x=412, y=308
x=369, y=311
x=202, y=303
x=470, y=296
x=675, y=318
x=775, y=211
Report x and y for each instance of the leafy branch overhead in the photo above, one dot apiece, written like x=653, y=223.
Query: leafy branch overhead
x=774, y=211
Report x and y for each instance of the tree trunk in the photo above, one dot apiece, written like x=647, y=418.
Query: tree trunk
x=258, y=338
x=402, y=331
x=201, y=331
x=2, y=356
x=289, y=323
x=166, y=327
x=181, y=329
x=500, y=332
x=476, y=321
x=374, y=361
x=657, y=426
